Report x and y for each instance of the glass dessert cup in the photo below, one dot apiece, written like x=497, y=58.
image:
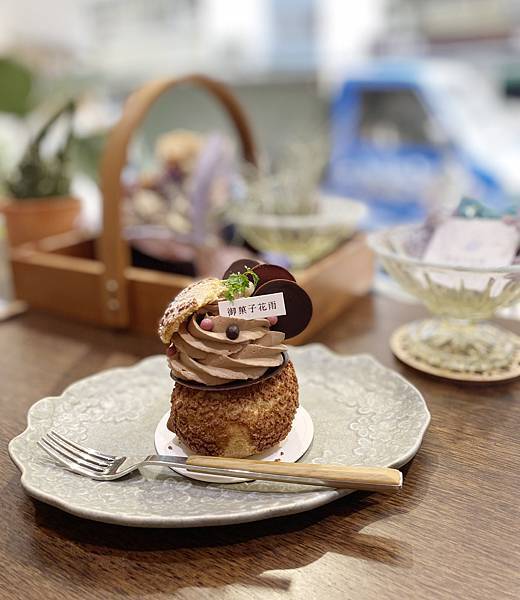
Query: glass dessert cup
x=459, y=298
x=304, y=238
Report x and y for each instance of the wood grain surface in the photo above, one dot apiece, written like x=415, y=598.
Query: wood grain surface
x=452, y=532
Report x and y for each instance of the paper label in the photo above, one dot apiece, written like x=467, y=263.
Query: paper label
x=473, y=243
x=254, y=307
x=486, y=243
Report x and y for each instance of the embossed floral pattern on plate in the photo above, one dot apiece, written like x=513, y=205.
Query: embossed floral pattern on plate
x=363, y=413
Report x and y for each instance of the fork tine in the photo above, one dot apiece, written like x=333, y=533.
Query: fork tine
x=84, y=449
x=65, y=455
x=70, y=465
x=75, y=453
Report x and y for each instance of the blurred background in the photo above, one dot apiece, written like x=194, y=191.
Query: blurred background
x=406, y=106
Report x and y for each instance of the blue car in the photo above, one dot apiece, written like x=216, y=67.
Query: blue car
x=407, y=137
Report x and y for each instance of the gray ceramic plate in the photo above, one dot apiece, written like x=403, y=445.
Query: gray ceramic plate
x=363, y=414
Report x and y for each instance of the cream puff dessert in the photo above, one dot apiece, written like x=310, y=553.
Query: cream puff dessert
x=236, y=391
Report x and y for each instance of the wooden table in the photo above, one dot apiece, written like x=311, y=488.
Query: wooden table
x=451, y=533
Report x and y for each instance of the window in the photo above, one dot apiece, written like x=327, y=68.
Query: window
x=391, y=117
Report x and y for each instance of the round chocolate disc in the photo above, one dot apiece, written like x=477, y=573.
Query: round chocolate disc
x=298, y=306
x=239, y=266
x=269, y=272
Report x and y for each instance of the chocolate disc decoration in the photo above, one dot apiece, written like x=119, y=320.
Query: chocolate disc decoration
x=267, y=273
x=297, y=304
x=234, y=384
x=238, y=266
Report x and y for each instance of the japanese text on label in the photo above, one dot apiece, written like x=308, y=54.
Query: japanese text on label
x=254, y=307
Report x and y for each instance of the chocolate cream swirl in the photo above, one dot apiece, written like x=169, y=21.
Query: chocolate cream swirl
x=211, y=358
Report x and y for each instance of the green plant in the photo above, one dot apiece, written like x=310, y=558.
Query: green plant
x=237, y=283
x=16, y=87
x=39, y=176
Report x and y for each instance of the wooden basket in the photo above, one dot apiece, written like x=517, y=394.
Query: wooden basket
x=93, y=280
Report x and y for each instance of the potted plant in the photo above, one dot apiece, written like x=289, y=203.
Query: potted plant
x=39, y=203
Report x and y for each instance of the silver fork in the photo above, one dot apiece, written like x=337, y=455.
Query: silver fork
x=106, y=467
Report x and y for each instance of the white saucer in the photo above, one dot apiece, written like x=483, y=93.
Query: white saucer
x=290, y=450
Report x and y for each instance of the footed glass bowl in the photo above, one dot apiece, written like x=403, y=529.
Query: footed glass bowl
x=303, y=239
x=455, y=340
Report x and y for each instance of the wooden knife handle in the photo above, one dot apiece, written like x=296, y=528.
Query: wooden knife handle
x=358, y=478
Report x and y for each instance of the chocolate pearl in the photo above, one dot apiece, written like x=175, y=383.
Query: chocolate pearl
x=232, y=332
x=171, y=350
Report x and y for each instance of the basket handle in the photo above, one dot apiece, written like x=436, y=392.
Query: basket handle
x=113, y=249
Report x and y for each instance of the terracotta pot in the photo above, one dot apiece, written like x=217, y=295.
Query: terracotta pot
x=34, y=219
